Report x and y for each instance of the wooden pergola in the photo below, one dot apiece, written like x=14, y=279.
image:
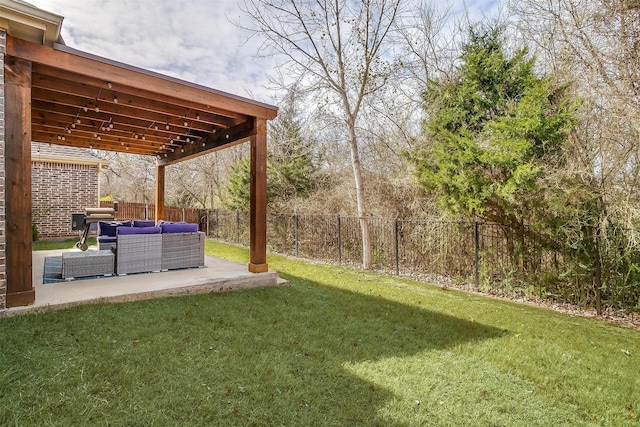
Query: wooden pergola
x=58, y=95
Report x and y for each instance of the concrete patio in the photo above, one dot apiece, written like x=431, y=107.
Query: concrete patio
x=217, y=275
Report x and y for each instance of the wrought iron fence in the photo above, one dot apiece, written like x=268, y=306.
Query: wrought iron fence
x=490, y=257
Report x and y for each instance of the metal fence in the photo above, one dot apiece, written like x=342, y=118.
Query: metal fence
x=490, y=257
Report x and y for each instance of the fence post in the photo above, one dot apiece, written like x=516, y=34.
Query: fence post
x=238, y=226
x=217, y=224
x=207, y=216
x=477, y=253
x=146, y=211
x=295, y=232
x=397, y=240
x=339, y=241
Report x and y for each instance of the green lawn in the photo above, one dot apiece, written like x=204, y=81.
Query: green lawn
x=338, y=347
x=42, y=245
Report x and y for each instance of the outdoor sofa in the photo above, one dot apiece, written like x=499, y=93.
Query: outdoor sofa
x=142, y=246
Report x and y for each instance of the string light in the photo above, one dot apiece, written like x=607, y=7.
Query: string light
x=197, y=116
x=115, y=99
x=109, y=85
x=85, y=108
x=167, y=126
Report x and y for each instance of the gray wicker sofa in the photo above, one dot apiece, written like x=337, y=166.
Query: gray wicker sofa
x=166, y=246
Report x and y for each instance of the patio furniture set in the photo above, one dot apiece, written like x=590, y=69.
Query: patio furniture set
x=138, y=246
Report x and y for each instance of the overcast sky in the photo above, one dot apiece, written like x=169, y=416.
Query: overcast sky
x=194, y=40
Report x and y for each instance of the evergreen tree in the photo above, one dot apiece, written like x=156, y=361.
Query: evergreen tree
x=238, y=190
x=491, y=132
x=291, y=165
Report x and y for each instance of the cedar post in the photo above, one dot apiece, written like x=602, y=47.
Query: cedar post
x=258, y=199
x=159, y=192
x=17, y=152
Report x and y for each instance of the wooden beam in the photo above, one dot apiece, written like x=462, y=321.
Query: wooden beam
x=220, y=139
x=17, y=152
x=128, y=107
x=160, y=175
x=43, y=73
x=63, y=57
x=258, y=202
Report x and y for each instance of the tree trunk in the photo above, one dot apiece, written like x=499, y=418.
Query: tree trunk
x=362, y=212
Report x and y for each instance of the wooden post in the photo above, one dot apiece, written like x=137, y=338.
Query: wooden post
x=159, y=192
x=258, y=199
x=17, y=152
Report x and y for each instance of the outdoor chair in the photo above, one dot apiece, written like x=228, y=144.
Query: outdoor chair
x=138, y=250
x=182, y=246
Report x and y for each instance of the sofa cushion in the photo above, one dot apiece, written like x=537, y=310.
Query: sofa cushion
x=108, y=228
x=143, y=223
x=180, y=227
x=138, y=230
x=107, y=239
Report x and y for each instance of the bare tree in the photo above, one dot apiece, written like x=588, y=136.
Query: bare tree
x=595, y=45
x=338, y=50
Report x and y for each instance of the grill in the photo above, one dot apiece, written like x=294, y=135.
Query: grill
x=83, y=221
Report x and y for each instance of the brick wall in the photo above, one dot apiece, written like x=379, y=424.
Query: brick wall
x=3, y=263
x=58, y=190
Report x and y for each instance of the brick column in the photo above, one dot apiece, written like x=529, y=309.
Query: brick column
x=3, y=259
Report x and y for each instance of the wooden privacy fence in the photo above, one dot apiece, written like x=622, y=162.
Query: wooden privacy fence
x=127, y=211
